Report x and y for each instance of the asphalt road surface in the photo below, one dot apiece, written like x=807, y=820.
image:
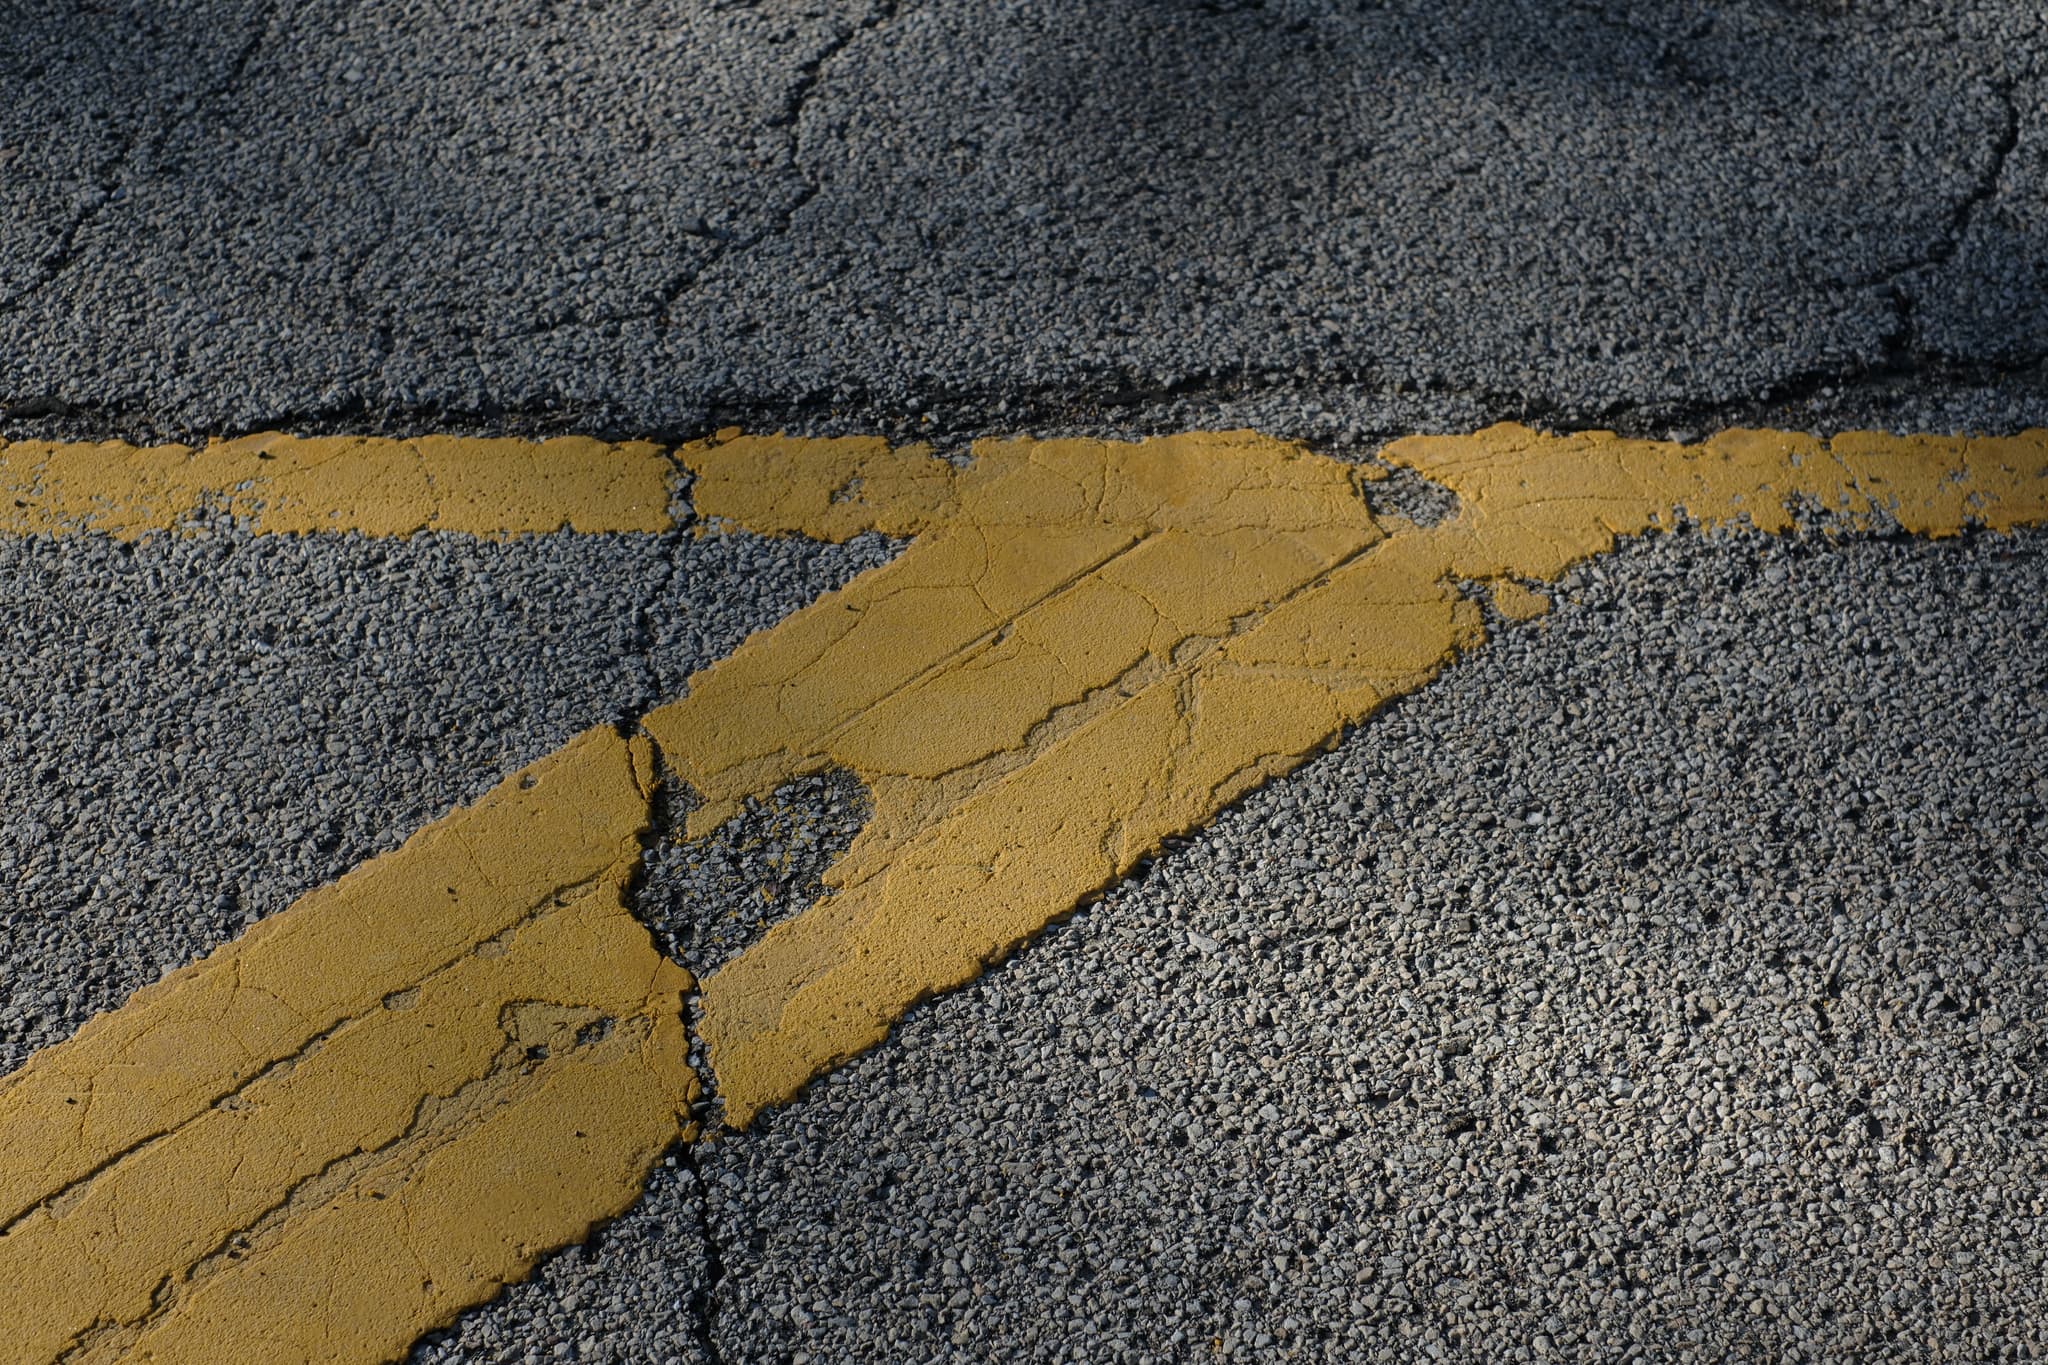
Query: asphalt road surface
x=1662, y=982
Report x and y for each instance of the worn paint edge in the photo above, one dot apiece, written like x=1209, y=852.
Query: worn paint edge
x=275, y=484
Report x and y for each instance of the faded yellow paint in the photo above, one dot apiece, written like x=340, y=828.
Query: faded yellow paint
x=373, y=1110
x=385, y=1102
x=1092, y=646
x=379, y=487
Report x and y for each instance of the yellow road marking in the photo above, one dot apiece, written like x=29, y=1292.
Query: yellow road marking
x=1516, y=602
x=1090, y=647
x=373, y=1110
x=379, y=487
x=330, y=1136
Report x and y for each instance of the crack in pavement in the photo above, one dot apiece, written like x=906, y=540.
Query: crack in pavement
x=67, y=251
x=1900, y=350
x=1982, y=190
x=724, y=242
x=703, y=1306
x=808, y=78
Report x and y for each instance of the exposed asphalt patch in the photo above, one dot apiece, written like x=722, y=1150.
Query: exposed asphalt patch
x=708, y=900
x=196, y=730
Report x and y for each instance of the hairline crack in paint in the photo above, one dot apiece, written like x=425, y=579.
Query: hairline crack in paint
x=1154, y=740
x=1087, y=647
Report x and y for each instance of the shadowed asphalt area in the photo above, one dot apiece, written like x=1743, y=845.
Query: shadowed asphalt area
x=632, y=218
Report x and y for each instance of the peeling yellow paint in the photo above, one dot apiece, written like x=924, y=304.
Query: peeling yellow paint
x=382, y=1104
x=1092, y=646
x=373, y=1110
x=827, y=489
x=1518, y=603
x=379, y=487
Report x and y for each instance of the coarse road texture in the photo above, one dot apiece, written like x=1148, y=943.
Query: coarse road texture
x=229, y=214
x=1662, y=980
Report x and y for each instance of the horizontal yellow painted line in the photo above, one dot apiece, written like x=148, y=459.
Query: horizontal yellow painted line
x=371, y=485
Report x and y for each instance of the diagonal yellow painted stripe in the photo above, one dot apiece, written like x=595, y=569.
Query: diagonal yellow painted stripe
x=368, y=484
x=1039, y=733
x=389, y=1099
x=371, y=1111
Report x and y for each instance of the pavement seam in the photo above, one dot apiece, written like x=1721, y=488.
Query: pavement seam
x=703, y=1307
x=1133, y=404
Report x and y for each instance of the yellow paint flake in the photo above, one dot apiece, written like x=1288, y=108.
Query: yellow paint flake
x=1092, y=646
x=1518, y=603
x=373, y=1110
x=379, y=487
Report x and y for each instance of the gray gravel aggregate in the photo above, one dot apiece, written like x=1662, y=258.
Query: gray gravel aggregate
x=1662, y=983
x=196, y=729
x=227, y=214
x=1665, y=982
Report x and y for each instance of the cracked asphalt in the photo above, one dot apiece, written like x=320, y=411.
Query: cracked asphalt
x=229, y=215
x=1664, y=982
